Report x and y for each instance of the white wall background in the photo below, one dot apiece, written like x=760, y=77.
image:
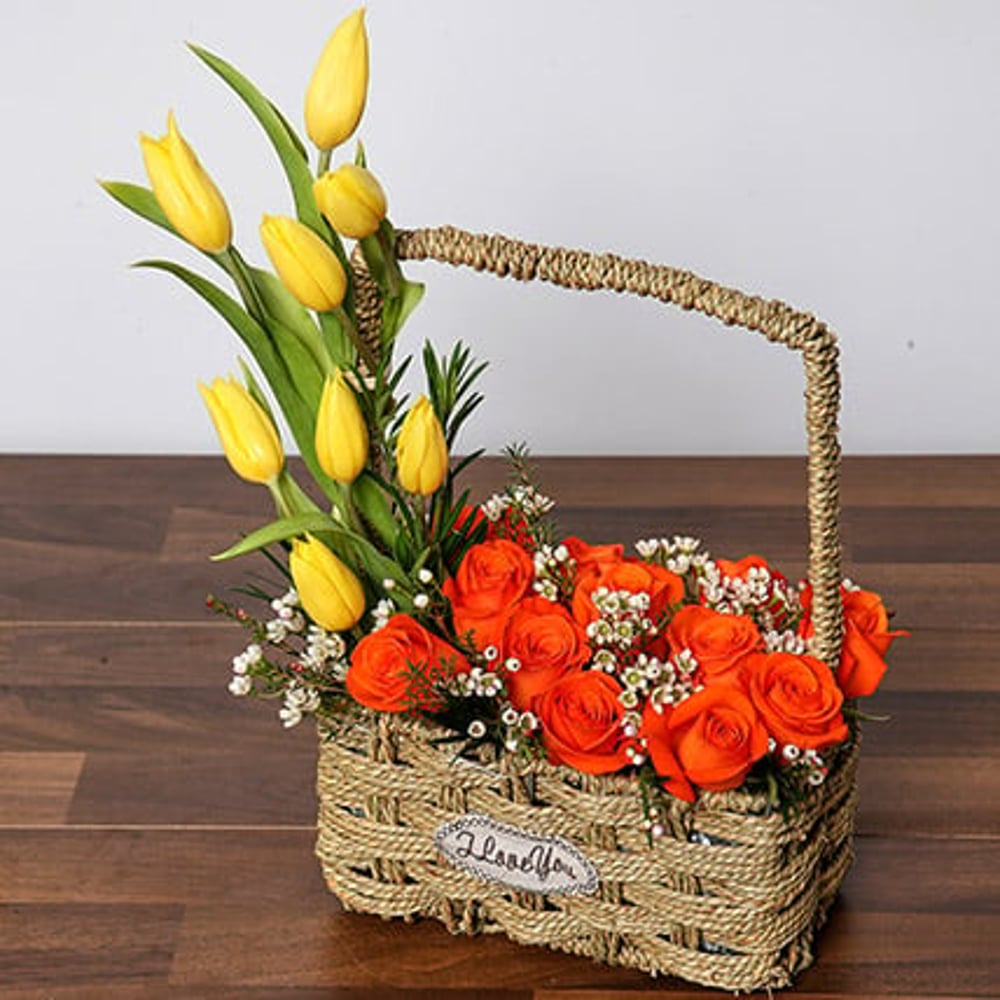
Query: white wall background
x=843, y=156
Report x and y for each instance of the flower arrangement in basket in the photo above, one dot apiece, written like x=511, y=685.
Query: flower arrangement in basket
x=647, y=758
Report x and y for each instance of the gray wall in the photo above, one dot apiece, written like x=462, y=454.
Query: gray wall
x=842, y=156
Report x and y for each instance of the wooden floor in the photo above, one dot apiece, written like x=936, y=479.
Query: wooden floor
x=156, y=833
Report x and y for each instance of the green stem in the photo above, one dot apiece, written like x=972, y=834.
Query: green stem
x=237, y=269
x=324, y=161
x=281, y=505
x=392, y=273
x=364, y=351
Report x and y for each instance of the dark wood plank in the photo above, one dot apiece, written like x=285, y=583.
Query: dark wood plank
x=140, y=720
x=86, y=944
x=657, y=481
x=206, y=788
x=105, y=656
x=37, y=787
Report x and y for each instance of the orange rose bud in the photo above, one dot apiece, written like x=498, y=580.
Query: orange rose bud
x=797, y=698
x=714, y=738
x=493, y=577
x=664, y=588
x=393, y=669
x=866, y=639
x=547, y=644
x=581, y=719
x=719, y=642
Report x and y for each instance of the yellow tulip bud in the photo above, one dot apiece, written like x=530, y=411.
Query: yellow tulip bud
x=421, y=451
x=341, y=431
x=307, y=266
x=352, y=200
x=187, y=195
x=336, y=95
x=248, y=437
x=330, y=593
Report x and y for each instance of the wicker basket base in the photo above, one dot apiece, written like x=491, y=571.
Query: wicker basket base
x=730, y=897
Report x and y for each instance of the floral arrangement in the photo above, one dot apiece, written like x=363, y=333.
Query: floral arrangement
x=395, y=594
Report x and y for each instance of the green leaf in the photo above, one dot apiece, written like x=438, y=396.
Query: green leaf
x=375, y=507
x=140, y=200
x=253, y=387
x=286, y=143
x=396, y=311
x=278, y=531
x=281, y=305
x=348, y=545
x=298, y=413
x=295, y=498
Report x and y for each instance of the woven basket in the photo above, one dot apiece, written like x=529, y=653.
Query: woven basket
x=733, y=894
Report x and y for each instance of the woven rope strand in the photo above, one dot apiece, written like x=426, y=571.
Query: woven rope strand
x=779, y=323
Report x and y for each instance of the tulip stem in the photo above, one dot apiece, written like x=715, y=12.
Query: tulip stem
x=240, y=273
x=324, y=162
x=364, y=351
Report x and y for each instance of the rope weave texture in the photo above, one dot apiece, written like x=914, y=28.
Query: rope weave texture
x=779, y=323
x=739, y=914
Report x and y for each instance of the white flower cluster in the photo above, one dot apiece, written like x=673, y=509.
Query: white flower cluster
x=551, y=565
x=521, y=497
x=762, y=595
x=325, y=651
x=517, y=725
x=241, y=683
x=785, y=642
x=679, y=554
x=809, y=761
x=288, y=618
x=623, y=620
x=382, y=612
x=479, y=682
x=677, y=681
x=299, y=700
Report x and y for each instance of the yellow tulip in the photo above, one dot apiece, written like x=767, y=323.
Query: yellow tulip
x=248, y=436
x=341, y=431
x=307, y=266
x=187, y=195
x=352, y=200
x=421, y=451
x=330, y=593
x=336, y=95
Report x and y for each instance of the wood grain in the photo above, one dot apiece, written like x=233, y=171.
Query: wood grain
x=156, y=834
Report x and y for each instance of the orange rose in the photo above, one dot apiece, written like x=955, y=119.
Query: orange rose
x=740, y=568
x=711, y=740
x=383, y=664
x=546, y=641
x=656, y=731
x=797, y=698
x=494, y=576
x=866, y=639
x=581, y=720
x=584, y=555
x=664, y=588
x=719, y=642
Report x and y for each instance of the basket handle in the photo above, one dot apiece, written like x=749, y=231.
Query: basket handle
x=579, y=269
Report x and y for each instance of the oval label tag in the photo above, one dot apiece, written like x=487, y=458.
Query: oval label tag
x=508, y=855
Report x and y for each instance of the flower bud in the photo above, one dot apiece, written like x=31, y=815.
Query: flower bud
x=328, y=591
x=248, y=436
x=307, y=266
x=187, y=195
x=421, y=451
x=341, y=431
x=335, y=98
x=352, y=200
